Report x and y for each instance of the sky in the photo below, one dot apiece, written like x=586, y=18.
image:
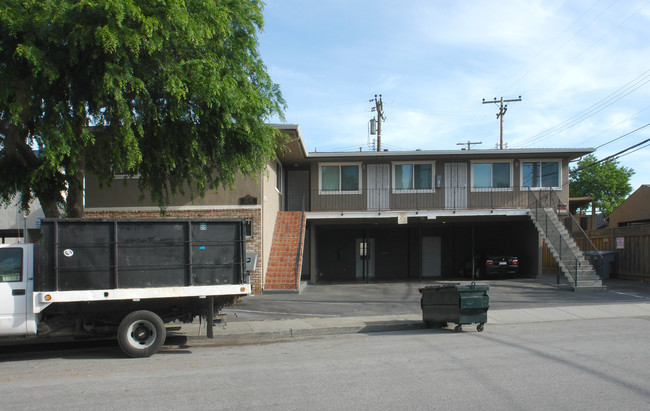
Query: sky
x=581, y=67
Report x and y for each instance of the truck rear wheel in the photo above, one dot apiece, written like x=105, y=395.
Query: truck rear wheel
x=141, y=334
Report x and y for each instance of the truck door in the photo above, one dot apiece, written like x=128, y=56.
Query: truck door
x=13, y=291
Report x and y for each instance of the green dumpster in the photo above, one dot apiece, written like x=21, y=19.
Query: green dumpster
x=455, y=303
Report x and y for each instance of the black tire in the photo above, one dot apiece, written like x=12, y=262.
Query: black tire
x=458, y=328
x=479, y=327
x=141, y=334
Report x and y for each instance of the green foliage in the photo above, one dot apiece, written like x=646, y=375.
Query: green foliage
x=607, y=182
x=174, y=90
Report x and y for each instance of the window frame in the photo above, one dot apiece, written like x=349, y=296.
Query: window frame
x=543, y=160
x=124, y=175
x=510, y=163
x=21, y=258
x=396, y=190
x=248, y=227
x=359, y=189
x=279, y=178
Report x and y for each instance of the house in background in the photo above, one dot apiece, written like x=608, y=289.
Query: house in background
x=257, y=201
x=635, y=210
x=18, y=226
x=390, y=215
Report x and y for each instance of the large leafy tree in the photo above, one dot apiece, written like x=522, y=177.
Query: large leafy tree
x=173, y=90
x=606, y=182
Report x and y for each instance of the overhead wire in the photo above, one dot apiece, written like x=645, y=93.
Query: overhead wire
x=624, y=135
x=572, y=24
x=613, y=155
x=595, y=108
x=598, y=41
x=613, y=126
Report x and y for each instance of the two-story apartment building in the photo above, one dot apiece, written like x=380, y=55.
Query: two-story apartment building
x=390, y=215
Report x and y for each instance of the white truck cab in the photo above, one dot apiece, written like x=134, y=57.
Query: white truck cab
x=16, y=290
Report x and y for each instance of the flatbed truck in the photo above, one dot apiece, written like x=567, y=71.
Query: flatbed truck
x=124, y=278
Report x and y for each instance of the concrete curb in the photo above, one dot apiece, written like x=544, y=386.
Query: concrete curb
x=265, y=331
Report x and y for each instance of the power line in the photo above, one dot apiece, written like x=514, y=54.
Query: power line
x=634, y=151
x=591, y=45
x=624, y=135
x=557, y=48
x=612, y=156
x=595, y=108
x=591, y=138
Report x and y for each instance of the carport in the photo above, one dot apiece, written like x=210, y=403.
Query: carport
x=381, y=249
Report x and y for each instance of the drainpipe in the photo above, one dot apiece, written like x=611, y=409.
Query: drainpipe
x=264, y=264
x=473, y=254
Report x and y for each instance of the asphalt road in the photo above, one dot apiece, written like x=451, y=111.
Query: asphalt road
x=596, y=365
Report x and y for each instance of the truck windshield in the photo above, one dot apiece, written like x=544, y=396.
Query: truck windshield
x=11, y=265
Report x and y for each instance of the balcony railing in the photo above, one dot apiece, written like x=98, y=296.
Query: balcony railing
x=443, y=198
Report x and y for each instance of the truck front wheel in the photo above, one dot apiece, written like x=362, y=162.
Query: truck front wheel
x=141, y=334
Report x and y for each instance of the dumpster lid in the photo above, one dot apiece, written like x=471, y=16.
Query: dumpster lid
x=439, y=286
x=474, y=286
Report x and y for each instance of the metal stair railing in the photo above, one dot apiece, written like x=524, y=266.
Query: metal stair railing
x=566, y=255
x=296, y=266
x=582, y=241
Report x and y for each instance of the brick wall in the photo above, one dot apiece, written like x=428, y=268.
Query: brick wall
x=253, y=244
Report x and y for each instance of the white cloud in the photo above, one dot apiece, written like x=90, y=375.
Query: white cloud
x=433, y=62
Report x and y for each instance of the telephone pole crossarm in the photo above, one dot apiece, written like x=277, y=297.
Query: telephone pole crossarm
x=502, y=111
x=469, y=144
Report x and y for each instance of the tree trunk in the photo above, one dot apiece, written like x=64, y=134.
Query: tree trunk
x=75, y=200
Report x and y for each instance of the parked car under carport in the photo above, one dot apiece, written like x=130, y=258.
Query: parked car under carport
x=490, y=266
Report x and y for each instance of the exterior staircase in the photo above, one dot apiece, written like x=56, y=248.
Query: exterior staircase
x=285, y=261
x=579, y=272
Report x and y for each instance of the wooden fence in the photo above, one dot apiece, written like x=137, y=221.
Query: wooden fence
x=632, y=247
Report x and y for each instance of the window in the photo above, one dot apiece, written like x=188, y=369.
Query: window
x=11, y=265
x=491, y=174
x=413, y=176
x=340, y=179
x=127, y=174
x=278, y=176
x=538, y=174
x=248, y=227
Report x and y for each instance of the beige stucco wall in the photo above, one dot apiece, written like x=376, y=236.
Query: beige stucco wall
x=124, y=192
x=271, y=201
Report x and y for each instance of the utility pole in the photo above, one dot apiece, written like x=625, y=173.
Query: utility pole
x=379, y=108
x=502, y=112
x=469, y=144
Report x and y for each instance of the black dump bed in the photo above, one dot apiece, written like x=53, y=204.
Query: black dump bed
x=90, y=254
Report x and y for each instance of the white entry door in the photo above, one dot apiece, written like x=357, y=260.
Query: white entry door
x=378, y=186
x=431, y=256
x=365, y=258
x=455, y=185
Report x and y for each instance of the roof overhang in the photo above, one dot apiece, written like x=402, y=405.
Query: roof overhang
x=294, y=150
x=570, y=153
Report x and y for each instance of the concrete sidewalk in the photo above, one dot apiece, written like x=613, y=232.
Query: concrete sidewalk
x=259, y=331
x=396, y=307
